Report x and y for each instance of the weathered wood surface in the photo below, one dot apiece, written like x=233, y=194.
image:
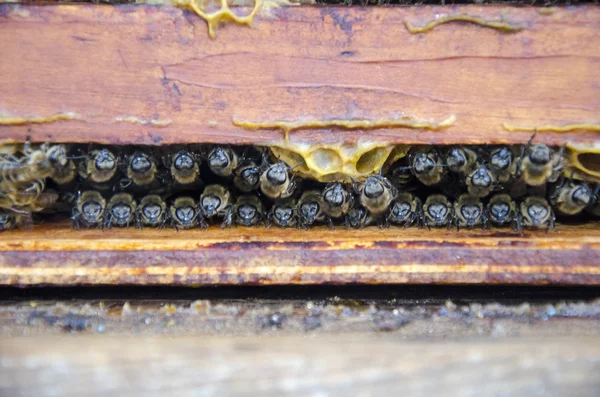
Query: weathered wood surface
x=346, y=366
x=56, y=254
x=158, y=63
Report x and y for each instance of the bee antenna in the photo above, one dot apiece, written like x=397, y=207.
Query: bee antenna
x=531, y=139
x=76, y=157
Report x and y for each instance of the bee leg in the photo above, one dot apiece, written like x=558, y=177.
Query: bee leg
x=75, y=218
x=330, y=223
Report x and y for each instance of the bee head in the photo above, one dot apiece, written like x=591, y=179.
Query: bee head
x=57, y=154
x=499, y=210
x=140, y=163
x=183, y=161
x=438, y=211
x=105, y=160
x=374, y=187
x=310, y=211
x=210, y=203
x=540, y=154
x=185, y=214
x=247, y=213
x=6, y=220
x=284, y=214
x=423, y=163
x=401, y=209
x=456, y=159
x=91, y=210
x=481, y=177
x=537, y=212
x=152, y=212
x=501, y=159
x=250, y=175
x=218, y=158
x=582, y=195
x=334, y=195
x=277, y=174
x=470, y=212
x=122, y=212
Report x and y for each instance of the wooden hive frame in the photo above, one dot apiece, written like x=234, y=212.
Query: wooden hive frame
x=151, y=75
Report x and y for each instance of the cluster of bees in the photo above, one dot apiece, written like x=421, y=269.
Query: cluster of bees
x=193, y=186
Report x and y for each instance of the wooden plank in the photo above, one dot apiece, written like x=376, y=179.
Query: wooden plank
x=105, y=63
x=346, y=366
x=54, y=254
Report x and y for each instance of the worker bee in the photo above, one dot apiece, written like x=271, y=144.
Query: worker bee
x=427, y=167
x=283, y=213
x=503, y=164
x=22, y=195
x=184, y=166
x=89, y=210
x=501, y=210
x=535, y=212
x=337, y=200
x=481, y=181
x=469, y=212
x=184, y=213
x=357, y=217
x=460, y=159
x=247, y=211
x=23, y=179
x=100, y=167
x=570, y=198
x=400, y=175
x=376, y=194
x=222, y=161
x=141, y=168
x=7, y=220
x=437, y=211
x=406, y=209
x=277, y=181
x=540, y=164
x=152, y=211
x=214, y=201
x=246, y=176
x=120, y=210
x=310, y=208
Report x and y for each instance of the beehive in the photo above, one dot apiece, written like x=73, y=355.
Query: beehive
x=336, y=92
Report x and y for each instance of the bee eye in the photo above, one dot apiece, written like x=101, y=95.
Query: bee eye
x=401, y=209
x=141, y=163
x=438, y=210
x=183, y=162
x=456, y=159
x=334, y=196
x=122, y=211
x=152, y=211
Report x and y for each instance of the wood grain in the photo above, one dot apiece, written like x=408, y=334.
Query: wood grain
x=347, y=366
x=158, y=63
x=59, y=255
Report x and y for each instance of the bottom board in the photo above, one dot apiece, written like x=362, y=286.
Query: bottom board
x=58, y=255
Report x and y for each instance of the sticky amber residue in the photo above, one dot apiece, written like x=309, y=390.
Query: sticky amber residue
x=223, y=14
x=546, y=10
x=10, y=120
x=554, y=128
x=501, y=26
x=136, y=120
x=363, y=124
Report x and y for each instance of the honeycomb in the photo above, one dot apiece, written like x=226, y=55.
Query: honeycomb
x=584, y=162
x=328, y=162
